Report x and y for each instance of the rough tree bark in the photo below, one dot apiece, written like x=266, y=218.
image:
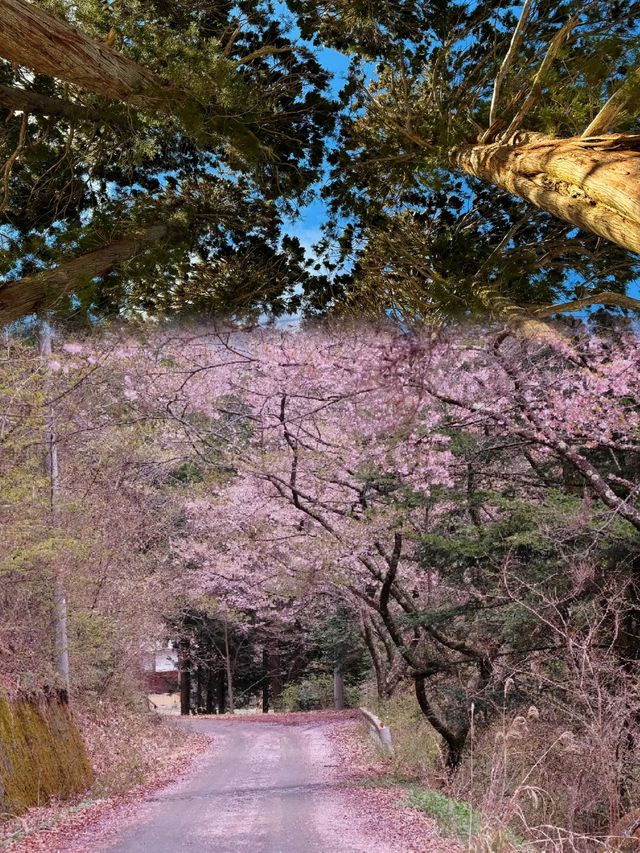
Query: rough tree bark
x=32, y=37
x=30, y=294
x=591, y=183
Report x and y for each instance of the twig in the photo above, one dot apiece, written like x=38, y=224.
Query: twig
x=264, y=51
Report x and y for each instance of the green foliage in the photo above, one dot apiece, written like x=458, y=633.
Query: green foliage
x=314, y=693
x=339, y=643
x=187, y=474
x=233, y=147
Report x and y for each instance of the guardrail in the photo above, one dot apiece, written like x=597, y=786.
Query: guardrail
x=379, y=732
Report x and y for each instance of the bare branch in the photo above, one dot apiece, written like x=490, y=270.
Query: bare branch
x=616, y=105
x=508, y=61
x=532, y=98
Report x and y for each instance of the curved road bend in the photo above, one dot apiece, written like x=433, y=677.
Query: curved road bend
x=262, y=787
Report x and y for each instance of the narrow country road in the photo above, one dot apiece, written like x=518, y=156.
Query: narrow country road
x=261, y=787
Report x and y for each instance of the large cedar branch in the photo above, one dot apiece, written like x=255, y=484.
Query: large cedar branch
x=34, y=38
x=593, y=184
x=43, y=289
x=24, y=100
x=608, y=297
x=615, y=106
x=508, y=61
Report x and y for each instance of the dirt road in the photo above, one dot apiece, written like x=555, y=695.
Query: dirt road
x=261, y=787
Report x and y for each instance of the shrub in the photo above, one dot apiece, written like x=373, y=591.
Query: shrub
x=314, y=693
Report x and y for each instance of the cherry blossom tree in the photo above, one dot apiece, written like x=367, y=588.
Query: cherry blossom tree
x=340, y=454
x=453, y=492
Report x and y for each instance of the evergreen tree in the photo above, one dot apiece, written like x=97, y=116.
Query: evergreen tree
x=485, y=149
x=146, y=142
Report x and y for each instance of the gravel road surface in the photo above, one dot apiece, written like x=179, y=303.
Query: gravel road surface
x=261, y=787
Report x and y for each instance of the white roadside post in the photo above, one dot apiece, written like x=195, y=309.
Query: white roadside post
x=379, y=732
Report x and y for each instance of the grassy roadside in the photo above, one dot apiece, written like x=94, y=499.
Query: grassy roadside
x=524, y=784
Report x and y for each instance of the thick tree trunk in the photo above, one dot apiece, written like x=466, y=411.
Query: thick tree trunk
x=591, y=183
x=34, y=38
x=266, y=678
x=228, y=667
x=221, y=692
x=338, y=688
x=276, y=681
x=454, y=740
x=199, y=685
x=210, y=696
x=42, y=289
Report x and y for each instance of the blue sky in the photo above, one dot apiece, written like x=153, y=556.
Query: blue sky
x=307, y=225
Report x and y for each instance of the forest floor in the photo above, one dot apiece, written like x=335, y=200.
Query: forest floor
x=284, y=782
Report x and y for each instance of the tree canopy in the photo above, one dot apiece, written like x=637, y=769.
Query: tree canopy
x=484, y=159
x=190, y=128
x=453, y=113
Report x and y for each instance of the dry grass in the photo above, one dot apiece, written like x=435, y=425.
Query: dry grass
x=529, y=781
x=126, y=745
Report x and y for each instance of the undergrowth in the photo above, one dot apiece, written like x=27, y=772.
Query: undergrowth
x=454, y=818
